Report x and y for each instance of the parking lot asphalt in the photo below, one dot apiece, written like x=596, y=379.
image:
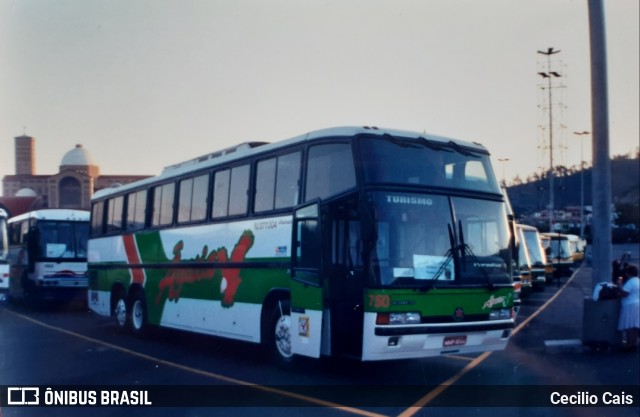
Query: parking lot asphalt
x=582, y=333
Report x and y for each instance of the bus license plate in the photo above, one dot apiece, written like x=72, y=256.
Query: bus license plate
x=454, y=341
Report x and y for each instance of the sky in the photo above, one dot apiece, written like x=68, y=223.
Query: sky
x=143, y=84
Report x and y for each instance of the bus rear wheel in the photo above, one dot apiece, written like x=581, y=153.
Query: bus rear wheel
x=120, y=310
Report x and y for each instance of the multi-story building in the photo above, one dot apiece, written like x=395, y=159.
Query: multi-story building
x=72, y=187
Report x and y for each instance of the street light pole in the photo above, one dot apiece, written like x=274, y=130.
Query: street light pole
x=548, y=75
x=601, y=223
x=504, y=161
x=580, y=134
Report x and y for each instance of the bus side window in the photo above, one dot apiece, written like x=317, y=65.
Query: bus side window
x=220, y=193
x=163, y=204
x=239, y=192
x=265, y=185
x=114, y=214
x=308, y=251
x=97, y=211
x=230, y=192
x=288, y=180
x=136, y=209
x=192, y=205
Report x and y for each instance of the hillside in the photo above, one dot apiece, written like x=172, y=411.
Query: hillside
x=533, y=195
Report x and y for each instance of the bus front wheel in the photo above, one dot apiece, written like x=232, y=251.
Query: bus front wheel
x=280, y=333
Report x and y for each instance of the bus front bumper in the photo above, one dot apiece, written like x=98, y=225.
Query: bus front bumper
x=420, y=341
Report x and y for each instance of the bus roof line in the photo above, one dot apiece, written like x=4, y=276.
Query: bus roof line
x=53, y=214
x=205, y=162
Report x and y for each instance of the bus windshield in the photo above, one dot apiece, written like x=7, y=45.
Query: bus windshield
x=536, y=253
x=56, y=239
x=559, y=248
x=419, y=243
x=392, y=160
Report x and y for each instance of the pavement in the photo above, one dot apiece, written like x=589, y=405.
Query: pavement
x=580, y=334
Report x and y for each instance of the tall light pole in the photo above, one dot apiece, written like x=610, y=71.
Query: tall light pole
x=503, y=161
x=580, y=134
x=601, y=199
x=549, y=75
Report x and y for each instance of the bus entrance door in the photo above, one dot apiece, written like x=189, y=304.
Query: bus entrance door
x=306, y=287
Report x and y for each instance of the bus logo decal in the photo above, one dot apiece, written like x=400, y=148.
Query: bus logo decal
x=458, y=315
x=492, y=301
x=175, y=278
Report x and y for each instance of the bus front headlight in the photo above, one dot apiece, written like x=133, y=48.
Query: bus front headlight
x=501, y=314
x=404, y=318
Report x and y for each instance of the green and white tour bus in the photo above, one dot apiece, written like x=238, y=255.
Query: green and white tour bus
x=48, y=255
x=360, y=242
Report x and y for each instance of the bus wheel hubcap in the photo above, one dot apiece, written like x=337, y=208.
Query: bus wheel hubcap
x=136, y=315
x=121, y=312
x=283, y=336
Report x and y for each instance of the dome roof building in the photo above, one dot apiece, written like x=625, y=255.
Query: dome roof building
x=79, y=159
x=26, y=192
x=72, y=187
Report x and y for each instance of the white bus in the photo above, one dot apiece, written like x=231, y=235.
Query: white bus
x=541, y=270
x=359, y=242
x=4, y=254
x=48, y=255
x=578, y=247
x=559, y=253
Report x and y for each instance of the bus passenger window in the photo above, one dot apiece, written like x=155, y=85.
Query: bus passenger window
x=97, y=211
x=163, y=205
x=199, y=199
x=184, y=202
x=192, y=205
x=114, y=215
x=230, y=192
x=288, y=180
x=136, y=207
x=265, y=185
x=239, y=193
x=220, y=193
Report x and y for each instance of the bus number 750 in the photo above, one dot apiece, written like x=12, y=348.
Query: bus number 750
x=379, y=301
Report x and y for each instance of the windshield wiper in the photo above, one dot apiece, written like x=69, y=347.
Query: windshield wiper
x=399, y=142
x=450, y=254
x=432, y=145
x=461, y=150
x=420, y=142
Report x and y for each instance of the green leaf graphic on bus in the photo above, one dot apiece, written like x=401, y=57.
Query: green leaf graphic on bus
x=176, y=278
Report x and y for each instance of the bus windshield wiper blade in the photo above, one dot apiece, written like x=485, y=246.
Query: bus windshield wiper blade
x=461, y=150
x=399, y=142
x=431, y=144
x=451, y=253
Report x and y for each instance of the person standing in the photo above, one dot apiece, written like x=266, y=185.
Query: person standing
x=629, y=322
